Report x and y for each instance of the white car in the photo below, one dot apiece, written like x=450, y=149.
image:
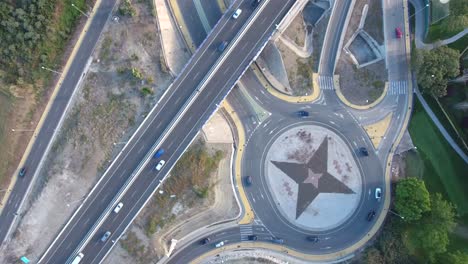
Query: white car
x=220, y=244
x=118, y=207
x=237, y=13
x=160, y=165
x=378, y=193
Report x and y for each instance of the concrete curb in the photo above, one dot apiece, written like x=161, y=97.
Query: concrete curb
x=336, y=81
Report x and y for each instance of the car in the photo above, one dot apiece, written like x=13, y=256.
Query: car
x=313, y=239
x=237, y=13
x=158, y=153
x=222, y=46
x=252, y=237
x=118, y=207
x=160, y=165
x=22, y=172
x=302, y=113
x=398, y=32
x=370, y=215
x=220, y=244
x=364, y=151
x=105, y=236
x=378, y=193
x=248, y=180
x=205, y=241
x=255, y=3
x=277, y=240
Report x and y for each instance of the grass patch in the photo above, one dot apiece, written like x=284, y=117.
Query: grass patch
x=441, y=163
x=461, y=44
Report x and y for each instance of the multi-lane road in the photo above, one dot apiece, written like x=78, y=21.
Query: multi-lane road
x=96, y=208
x=52, y=121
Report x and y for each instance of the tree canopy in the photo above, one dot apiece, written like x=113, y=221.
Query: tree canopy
x=458, y=7
x=412, y=199
x=434, y=68
x=456, y=257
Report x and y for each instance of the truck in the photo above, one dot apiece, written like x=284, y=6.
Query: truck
x=78, y=258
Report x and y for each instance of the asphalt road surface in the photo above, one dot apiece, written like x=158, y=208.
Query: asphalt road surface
x=66, y=245
x=44, y=137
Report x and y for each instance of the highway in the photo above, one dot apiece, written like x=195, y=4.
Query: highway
x=52, y=121
x=68, y=242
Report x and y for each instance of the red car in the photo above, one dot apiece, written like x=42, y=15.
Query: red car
x=398, y=32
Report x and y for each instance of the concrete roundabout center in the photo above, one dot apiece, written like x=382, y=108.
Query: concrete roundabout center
x=313, y=177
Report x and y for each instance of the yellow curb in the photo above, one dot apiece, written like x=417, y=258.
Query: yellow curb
x=288, y=98
x=49, y=105
x=222, y=6
x=377, y=130
x=249, y=213
x=182, y=26
x=336, y=81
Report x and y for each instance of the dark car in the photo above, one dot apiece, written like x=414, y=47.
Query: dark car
x=248, y=180
x=313, y=239
x=370, y=215
x=255, y=3
x=222, y=46
x=22, y=172
x=363, y=151
x=252, y=237
x=158, y=153
x=302, y=113
x=205, y=241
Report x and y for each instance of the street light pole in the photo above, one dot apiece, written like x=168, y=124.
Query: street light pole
x=118, y=143
x=83, y=13
x=402, y=217
x=48, y=69
x=68, y=204
x=427, y=5
x=22, y=130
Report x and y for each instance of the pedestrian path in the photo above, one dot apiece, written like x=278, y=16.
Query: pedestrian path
x=398, y=87
x=326, y=82
x=245, y=232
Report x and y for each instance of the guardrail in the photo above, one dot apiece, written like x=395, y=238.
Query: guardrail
x=169, y=129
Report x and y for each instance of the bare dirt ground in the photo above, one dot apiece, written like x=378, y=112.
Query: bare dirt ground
x=363, y=86
x=296, y=31
x=174, y=214
x=112, y=100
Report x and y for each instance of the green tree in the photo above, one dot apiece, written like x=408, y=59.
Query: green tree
x=456, y=257
x=458, y=7
x=431, y=234
x=454, y=24
x=412, y=199
x=434, y=68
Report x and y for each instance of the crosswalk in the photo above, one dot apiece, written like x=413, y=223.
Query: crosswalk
x=245, y=232
x=325, y=82
x=397, y=87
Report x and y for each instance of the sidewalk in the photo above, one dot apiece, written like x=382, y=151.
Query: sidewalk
x=439, y=125
x=175, y=53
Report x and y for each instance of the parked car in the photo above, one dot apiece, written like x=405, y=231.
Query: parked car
x=378, y=193
x=370, y=215
x=302, y=113
x=222, y=46
x=363, y=151
x=398, y=32
x=220, y=244
x=105, y=236
x=237, y=13
x=252, y=237
x=118, y=207
x=313, y=239
x=160, y=165
x=22, y=172
x=205, y=241
x=158, y=153
x=248, y=180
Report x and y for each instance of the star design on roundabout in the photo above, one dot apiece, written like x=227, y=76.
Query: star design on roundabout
x=312, y=178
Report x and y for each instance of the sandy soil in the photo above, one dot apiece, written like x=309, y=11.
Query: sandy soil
x=107, y=105
x=296, y=31
x=363, y=86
